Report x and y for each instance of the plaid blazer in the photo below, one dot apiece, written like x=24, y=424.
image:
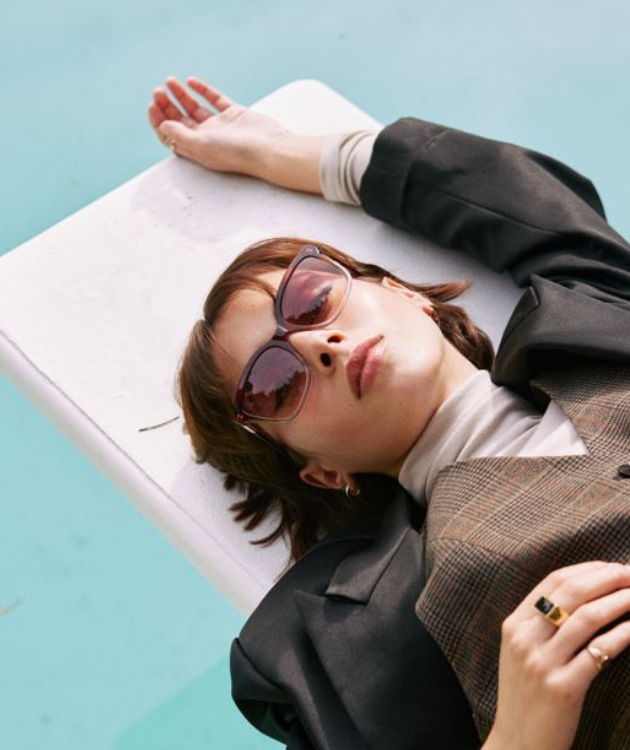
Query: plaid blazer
x=496, y=526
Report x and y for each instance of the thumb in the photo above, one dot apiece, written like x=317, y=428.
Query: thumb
x=174, y=133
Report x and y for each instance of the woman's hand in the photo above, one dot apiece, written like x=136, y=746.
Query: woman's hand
x=233, y=138
x=223, y=136
x=545, y=671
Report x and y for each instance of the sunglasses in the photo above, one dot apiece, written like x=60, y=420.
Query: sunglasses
x=276, y=379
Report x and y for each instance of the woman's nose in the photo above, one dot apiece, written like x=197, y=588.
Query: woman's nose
x=320, y=348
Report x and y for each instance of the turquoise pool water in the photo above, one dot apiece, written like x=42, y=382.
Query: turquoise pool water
x=115, y=641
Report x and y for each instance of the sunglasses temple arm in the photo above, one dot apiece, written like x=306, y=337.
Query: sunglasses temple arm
x=268, y=441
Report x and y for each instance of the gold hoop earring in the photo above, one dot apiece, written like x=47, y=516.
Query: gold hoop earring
x=352, y=494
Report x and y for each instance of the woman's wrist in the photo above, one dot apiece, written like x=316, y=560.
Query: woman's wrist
x=292, y=162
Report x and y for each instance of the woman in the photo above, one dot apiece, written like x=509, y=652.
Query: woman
x=349, y=347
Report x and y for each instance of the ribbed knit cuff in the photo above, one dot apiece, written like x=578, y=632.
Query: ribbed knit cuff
x=343, y=162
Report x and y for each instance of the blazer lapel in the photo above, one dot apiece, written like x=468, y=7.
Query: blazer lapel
x=347, y=634
x=551, y=322
x=574, y=389
x=355, y=577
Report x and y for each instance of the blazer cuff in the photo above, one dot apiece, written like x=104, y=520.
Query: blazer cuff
x=395, y=152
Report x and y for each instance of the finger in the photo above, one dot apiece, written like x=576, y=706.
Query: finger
x=170, y=110
x=586, y=621
x=190, y=105
x=157, y=104
x=156, y=118
x=179, y=138
x=217, y=98
x=584, y=668
x=550, y=583
x=584, y=587
x=591, y=584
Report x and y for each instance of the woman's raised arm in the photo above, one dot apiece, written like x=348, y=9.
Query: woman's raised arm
x=514, y=209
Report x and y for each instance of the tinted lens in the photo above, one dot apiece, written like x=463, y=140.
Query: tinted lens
x=314, y=293
x=275, y=385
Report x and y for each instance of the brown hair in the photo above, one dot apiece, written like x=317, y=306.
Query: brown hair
x=269, y=479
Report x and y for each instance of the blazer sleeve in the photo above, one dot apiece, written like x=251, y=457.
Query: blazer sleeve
x=514, y=210
x=263, y=703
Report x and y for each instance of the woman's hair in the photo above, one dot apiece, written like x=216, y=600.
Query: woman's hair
x=270, y=479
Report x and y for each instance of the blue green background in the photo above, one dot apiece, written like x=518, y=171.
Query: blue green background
x=116, y=641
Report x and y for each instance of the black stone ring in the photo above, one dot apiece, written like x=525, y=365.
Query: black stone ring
x=552, y=612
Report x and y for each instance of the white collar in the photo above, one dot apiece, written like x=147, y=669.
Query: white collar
x=478, y=418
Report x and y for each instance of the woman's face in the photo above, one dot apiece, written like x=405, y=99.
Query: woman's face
x=342, y=429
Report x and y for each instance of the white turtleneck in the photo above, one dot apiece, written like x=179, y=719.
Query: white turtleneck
x=479, y=418
x=342, y=164
x=483, y=419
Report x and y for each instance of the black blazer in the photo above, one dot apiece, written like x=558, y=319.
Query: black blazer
x=334, y=658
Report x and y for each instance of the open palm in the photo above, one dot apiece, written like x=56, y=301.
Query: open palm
x=227, y=137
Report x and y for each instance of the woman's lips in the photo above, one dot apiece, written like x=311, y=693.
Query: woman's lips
x=362, y=365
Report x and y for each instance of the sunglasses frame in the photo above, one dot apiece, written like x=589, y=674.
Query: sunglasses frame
x=280, y=340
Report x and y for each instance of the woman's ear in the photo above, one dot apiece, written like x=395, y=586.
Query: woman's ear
x=423, y=303
x=329, y=479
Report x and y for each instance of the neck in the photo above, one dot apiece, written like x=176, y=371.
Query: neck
x=455, y=371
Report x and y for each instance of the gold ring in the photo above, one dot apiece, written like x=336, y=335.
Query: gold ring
x=173, y=146
x=552, y=612
x=600, y=658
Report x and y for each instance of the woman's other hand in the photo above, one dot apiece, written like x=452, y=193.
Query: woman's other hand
x=544, y=670
x=225, y=136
